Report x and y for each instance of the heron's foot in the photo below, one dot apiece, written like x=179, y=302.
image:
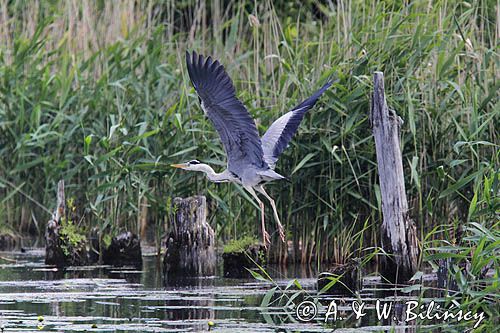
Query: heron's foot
x=266, y=239
x=281, y=232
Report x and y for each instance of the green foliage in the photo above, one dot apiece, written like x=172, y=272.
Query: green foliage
x=71, y=235
x=473, y=269
x=106, y=240
x=240, y=245
x=108, y=107
x=6, y=230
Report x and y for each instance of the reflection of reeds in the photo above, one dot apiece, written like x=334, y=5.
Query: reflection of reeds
x=97, y=93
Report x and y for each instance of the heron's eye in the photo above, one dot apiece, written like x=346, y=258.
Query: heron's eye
x=194, y=162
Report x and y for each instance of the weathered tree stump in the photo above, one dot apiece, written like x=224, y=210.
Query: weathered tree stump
x=445, y=281
x=64, y=246
x=398, y=232
x=238, y=258
x=347, y=276
x=54, y=254
x=95, y=248
x=190, y=241
x=125, y=249
x=8, y=241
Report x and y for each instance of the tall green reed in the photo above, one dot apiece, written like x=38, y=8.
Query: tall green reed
x=97, y=93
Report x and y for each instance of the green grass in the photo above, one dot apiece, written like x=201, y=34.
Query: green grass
x=106, y=104
x=7, y=230
x=239, y=245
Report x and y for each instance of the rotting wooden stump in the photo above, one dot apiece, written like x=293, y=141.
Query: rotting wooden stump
x=238, y=260
x=398, y=232
x=54, y=254
x=445, y=281
x=125, y=249
x=341, y=278
x=94, y=246
x=8, y=241
x=64, y=246
x=190, y=242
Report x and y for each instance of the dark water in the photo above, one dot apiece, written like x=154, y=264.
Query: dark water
x=34, y=297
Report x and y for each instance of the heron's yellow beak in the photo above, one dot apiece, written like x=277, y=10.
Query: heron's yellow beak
x=179, y=166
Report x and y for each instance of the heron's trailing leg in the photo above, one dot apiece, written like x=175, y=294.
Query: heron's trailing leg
x=265, y=235
x=260, y=188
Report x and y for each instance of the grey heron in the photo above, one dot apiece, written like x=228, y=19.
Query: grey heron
x=250, y=158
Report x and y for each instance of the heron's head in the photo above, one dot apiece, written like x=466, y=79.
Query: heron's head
x=193, y=165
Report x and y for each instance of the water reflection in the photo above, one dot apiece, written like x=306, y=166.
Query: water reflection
x=134, y=299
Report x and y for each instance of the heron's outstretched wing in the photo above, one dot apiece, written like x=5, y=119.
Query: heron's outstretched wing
x=231, y=119
x=279, y=134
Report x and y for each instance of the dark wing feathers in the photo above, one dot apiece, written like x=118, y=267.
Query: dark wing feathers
x=279, y=134
x=231, y=119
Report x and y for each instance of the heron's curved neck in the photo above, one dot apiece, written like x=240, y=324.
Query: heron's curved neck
x=212, y=175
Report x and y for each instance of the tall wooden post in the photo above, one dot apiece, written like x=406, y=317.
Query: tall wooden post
x=398, y=232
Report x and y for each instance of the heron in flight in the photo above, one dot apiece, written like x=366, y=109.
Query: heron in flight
x=250, y=158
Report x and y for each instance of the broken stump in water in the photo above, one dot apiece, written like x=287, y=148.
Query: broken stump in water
x=125, y=249
x=341, y=279
x=190, y=240
x=8, y=241
x=398, y=231
x=241, y=255
x=64, y=244
x=445, y=282
x=94, y=246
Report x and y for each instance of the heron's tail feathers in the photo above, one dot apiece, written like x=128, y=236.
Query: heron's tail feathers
x=270, y=174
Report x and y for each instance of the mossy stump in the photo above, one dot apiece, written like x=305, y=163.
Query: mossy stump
x=124, y=250
x=348, y=278
x=241, y=255
x=190, y=242
x=64, y=244
x=62, y=249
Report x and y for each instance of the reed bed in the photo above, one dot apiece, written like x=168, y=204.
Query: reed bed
x=96, y=93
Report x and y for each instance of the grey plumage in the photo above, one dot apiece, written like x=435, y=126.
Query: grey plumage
x=279, y=134
x=231, y=119
x=250, y=159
